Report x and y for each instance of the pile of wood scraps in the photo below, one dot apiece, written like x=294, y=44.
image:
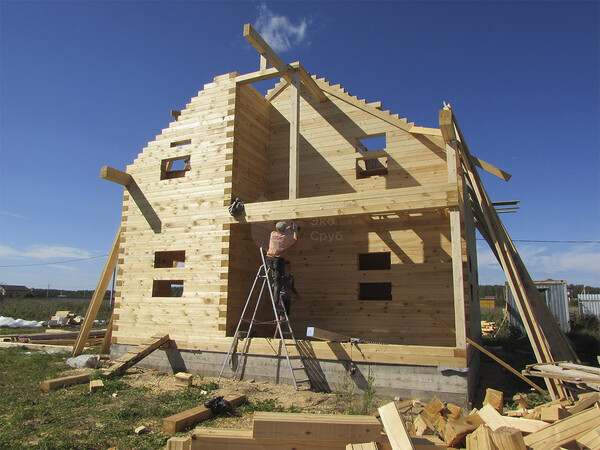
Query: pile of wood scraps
x=578, y=375
x=550, y=425
x=64, y=319
x=488, y=328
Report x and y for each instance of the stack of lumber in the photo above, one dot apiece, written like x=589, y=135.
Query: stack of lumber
x=488, y=328
x=577, y=374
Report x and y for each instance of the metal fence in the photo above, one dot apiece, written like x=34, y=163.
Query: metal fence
x=554, y=293
x=589, y=304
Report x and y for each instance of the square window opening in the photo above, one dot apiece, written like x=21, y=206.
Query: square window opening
x=375, y=261
x=371, y=143
x=174, y=167
x=375, y=291
x=169, y=259
x=181, y=143
x=167, y=288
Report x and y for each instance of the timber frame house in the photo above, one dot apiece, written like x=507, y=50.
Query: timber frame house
x=386, y=251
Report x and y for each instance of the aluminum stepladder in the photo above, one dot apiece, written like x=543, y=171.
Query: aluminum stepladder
x=264, y=274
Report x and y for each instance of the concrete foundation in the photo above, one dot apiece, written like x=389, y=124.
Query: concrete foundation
x=449, y=384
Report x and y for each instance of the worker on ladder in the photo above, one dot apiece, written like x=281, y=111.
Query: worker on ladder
x=281, y=239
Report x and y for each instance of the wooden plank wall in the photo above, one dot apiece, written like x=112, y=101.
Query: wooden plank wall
x=239, y=146
x=158, y=215
x=328, y=132
x=250, y=184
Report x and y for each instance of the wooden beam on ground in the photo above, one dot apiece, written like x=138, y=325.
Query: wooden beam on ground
x=315, y=427
x=492, y=169
x=57, y=383
x=99, y=293
x=325, y=335
x=181, y=421
x=135, y=355
x=495, y=358
x=116, y=176
x=294, y=187
x=395, y=428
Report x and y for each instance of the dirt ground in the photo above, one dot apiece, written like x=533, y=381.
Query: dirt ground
x=283, y=397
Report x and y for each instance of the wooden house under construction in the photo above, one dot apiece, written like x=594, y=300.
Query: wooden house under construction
x=386, y=254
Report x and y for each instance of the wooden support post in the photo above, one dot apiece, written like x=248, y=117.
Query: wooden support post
x=294, y=136
x=457, y=251
x=116, y=176
x=96, y=301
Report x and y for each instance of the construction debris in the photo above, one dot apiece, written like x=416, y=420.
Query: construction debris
x=183, y=379
x=57, y=383
x=141, y=429
x=96, y=385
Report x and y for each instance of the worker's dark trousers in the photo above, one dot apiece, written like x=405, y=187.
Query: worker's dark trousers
x=277, y=267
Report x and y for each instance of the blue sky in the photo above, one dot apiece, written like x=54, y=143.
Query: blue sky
x=90, y=83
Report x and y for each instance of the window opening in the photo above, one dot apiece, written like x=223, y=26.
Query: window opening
x=167, y=288
x=169, y=259
x=374, y=291
x=174, y=167
x=374, y=261
x=180, y=143
x=372, y=158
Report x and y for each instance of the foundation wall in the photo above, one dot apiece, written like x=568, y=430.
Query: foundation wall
x=406, y=381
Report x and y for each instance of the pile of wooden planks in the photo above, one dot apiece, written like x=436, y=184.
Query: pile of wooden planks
x=577, y=374
x=488, y=328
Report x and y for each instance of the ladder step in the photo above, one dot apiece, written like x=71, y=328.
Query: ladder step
x=298, y=368
x=303, y=381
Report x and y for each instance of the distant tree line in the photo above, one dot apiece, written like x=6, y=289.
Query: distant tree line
x=61, y=293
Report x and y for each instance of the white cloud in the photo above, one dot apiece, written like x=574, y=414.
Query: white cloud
x=576, y=264
x=279, y=32
x=5, y=213
x=59, y=266
x=44, y=252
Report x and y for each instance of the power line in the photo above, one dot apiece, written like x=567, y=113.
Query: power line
x=550, y=242
x=55, y=262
